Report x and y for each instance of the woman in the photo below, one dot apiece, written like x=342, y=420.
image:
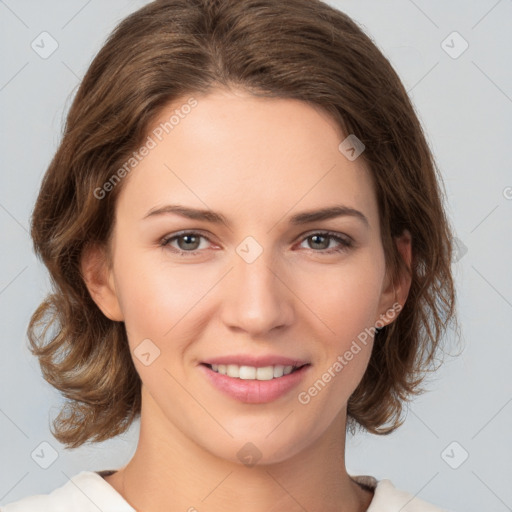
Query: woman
x=277, y=141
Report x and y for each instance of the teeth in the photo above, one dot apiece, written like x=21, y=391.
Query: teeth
x=287, y=370
x=264, y=373
x=233, y=370
x=245, y=372
x=251, y=372
x=278, y=370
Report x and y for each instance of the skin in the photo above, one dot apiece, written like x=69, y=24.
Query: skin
x=257, y=161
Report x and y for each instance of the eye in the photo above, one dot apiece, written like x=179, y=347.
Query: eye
x=322, y=239
x=188, y=242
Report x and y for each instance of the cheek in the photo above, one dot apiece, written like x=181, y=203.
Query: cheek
x=349, y=311
x=154, y=292
x=345, y=298
x=162, y=302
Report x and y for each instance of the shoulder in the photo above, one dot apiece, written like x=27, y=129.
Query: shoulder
x=387, y=498
x=85, y=492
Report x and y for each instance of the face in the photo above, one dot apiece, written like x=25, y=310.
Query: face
x=257, y=286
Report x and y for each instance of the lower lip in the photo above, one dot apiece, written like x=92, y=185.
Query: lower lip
x=252, y=391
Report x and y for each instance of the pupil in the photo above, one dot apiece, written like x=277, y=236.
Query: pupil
x=316, y=237
x=189, y=239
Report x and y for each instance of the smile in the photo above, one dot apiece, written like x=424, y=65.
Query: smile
x=252, y=384
x=252, y=372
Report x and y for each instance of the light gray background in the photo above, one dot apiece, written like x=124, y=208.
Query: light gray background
x=465, y=104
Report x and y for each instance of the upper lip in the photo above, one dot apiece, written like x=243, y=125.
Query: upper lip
x=256, y=361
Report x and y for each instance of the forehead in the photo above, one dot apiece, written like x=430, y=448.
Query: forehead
x=248, y=155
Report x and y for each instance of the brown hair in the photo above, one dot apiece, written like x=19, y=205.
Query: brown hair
x=300, y=49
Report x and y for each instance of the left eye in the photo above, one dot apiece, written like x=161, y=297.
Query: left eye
x=189, y=242
x=343, y=243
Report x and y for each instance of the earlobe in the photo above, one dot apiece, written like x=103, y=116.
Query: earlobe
x=395, y=292
x=99, y=281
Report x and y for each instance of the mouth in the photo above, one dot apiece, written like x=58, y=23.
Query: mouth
x=245, y=372
x=254, y=384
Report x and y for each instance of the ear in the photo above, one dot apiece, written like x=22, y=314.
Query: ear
x=394, y=293
x=99, y=280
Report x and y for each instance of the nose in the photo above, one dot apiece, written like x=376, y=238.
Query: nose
x=258, y=297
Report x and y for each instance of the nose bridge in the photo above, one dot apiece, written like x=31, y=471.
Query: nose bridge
x=257, y=300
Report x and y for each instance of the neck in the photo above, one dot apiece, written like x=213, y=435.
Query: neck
x=169, y=471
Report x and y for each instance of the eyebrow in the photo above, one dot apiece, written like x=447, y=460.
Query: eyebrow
x=305, y=217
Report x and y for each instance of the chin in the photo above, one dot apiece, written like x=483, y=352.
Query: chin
x=250, y=449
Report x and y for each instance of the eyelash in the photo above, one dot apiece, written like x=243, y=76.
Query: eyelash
x=345, y=244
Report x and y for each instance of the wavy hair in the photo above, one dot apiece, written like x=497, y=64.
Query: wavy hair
x=297, y=49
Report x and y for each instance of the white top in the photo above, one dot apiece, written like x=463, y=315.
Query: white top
x=88, y=491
